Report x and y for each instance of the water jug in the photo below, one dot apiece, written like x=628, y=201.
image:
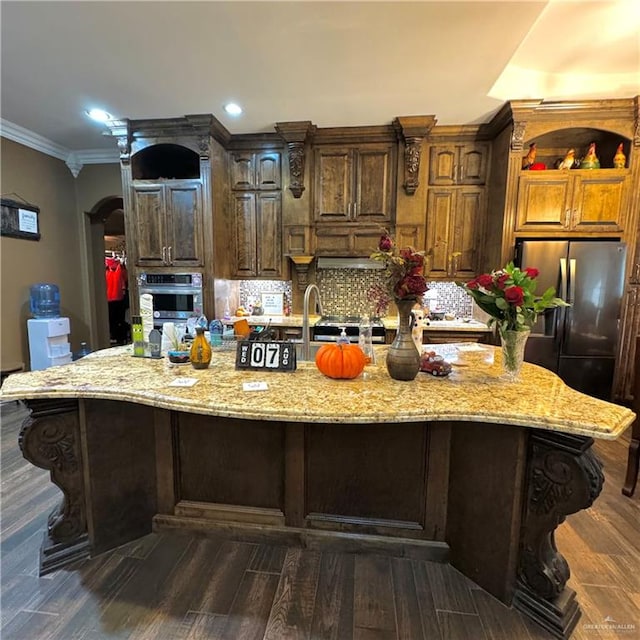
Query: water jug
x=45, y=300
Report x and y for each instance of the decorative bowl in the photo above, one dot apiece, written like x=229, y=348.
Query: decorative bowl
x=178, y=357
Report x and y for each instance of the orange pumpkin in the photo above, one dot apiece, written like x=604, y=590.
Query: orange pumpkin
x=340, y=360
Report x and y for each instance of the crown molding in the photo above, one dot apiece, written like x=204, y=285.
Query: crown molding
x=75, y=160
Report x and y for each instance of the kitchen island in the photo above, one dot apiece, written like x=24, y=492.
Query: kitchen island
x=468, y=469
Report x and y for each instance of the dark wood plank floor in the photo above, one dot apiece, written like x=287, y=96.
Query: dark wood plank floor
x=174, y=586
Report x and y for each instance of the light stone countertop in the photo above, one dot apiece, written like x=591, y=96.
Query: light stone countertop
x=444, y=325
x=474, y=391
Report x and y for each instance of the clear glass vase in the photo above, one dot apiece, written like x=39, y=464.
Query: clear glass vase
x=403, y=358
x=513, y=344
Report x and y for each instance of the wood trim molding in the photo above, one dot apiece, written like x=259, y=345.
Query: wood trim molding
x=413, y=129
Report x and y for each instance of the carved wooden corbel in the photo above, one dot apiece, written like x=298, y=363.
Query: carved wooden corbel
x=50, y=439
x=301, y=264
x=517, y=136
x=414, y=129
x=120, y=131
x=296, y=135
x=564, y=476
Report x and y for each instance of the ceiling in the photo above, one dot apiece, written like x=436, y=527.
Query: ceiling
x=332, y=62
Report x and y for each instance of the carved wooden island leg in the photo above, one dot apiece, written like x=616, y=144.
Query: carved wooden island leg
x=563, y=477
x=50, y=439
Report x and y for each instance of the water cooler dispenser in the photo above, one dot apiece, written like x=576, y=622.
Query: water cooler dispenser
x=48, y=332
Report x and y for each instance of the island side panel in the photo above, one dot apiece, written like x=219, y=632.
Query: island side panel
x=230, y=469
x=367, y=478
x=120, y=471
x=486, y=495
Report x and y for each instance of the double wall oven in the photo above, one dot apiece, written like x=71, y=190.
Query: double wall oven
x=176, y=296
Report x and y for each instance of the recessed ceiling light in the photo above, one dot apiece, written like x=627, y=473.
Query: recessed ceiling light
x=99, y=115
x=233, y=109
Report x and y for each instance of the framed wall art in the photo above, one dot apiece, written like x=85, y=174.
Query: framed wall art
x=19, y=219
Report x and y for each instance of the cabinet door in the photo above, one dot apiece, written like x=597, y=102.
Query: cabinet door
x=440, y=211
x=459, y=164
x=268, y=171
x=269, y=235
x=243, y=170
x=467, y=232
x=455, y=228
x=184, y=223
x=244, y=216
x=473, y=162
x=443, y=165
x=149, y=222
x=598, y=202
x=333, y=184
x=374, y=186
x=544, y=201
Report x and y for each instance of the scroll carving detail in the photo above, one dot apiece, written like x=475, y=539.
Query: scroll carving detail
x=51, y=441
x=517, y=136
x=296, y=168
x=412, y=152
x=564, y=477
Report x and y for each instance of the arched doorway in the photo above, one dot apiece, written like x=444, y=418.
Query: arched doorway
x=109, y=320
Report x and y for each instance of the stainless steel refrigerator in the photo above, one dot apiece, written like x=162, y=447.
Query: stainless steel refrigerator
x=577, y=342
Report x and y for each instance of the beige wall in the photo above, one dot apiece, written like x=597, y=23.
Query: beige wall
x=61, y=254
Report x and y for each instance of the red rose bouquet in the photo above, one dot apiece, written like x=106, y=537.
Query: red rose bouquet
x=404, y=271
x=508, y=296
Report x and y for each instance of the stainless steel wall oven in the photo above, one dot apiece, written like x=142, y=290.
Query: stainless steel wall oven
x=176, y=296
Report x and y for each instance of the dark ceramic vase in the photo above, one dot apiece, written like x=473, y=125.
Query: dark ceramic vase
x=403, y=358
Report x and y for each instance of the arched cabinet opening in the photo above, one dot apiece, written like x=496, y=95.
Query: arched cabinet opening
x=165, y=161
x=552, y=148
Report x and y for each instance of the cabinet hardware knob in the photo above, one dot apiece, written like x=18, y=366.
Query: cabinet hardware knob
x=164, y=255
x=169, y=254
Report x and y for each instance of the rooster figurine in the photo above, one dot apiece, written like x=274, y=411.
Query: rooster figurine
x=568, y=161
x=590, y=161
x=619, y=160
x=530, y=158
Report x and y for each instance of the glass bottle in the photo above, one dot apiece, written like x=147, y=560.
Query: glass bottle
x=365, y=341
x=200, y=353
x=137, y=335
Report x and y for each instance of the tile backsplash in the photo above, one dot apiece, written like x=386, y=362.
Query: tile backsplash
x=344, y=292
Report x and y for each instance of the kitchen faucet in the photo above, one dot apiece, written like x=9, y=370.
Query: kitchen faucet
x=305, y=318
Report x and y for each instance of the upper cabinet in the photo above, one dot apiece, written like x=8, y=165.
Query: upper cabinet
x=459, y=164
x=165, y=207
x=354, y=183
x=588, y=195
x=582, y=201
x=256, y=210
x=167, y=218
x=255, y=171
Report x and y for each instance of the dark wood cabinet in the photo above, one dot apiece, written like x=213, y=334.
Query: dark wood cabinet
x=167, y=217
x=258, y=234
x=582, y=201
x=459, y=164
x=256, y=210
x=354, y=183
x=455, y=228
x=255, y=171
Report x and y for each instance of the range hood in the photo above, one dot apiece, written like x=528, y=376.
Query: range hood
x=348, y=263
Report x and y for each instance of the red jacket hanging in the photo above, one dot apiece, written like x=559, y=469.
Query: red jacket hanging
x=116, y=279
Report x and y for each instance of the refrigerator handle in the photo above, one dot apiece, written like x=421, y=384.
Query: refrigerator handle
x=572, y=280
x=560, y=311
x=563, y=278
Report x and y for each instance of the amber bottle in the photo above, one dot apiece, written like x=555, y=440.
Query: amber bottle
x=200, y=350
